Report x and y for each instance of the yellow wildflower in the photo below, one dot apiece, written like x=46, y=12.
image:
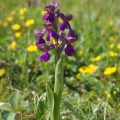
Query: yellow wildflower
x=77, y=76
x=114, y=92
x=111, y=38
x=82, y=69
x=111, y=23
x=2, y=71
x=17, y=34
x=109, y=95
x=117, y=88
x=13, y=12
x=29, y=22
x=112, y=54
x=9, y=18
x=5, y=24
x=13, y=45
x=106, y=92
x=90, y=69
x=22, y=11
x=43, y=12
x=111, y=45
x=80, y=53
x=110, y=70
x=68, y=67
x=32, y=48
x=118, y=46
x=98, y=58
x=15, y=26
x=21, y=17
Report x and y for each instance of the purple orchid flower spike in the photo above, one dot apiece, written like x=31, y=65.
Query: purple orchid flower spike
x=50, y=32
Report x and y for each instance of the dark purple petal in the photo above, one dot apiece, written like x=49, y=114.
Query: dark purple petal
x=39, y=40
x=69, y=50
x=68, y=17
x=49, y=25
x=65, y=25
x=72, y=34
x=49, y=8
x=49, y=17
x=43, y=47
x=71, y=40
x=40, y=32
x=48, y=36
x=52, y=46
x=44, y=57
x=54, y=34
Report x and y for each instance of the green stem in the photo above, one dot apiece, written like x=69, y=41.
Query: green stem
x=58, y=87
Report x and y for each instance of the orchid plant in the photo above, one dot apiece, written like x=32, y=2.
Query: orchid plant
x=63, y=40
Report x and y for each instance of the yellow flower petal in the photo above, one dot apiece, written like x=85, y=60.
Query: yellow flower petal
x=43, y=12
x=17, y=34
x=118, y=46
x=9, y=19
x=13, y=45
x=15, y=26
x=2, y=71
x=32, y=48
x=112, y=54
x=22, y=11
x=110, y=70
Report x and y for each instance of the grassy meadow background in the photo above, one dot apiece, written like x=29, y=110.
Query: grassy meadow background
x=92, y=76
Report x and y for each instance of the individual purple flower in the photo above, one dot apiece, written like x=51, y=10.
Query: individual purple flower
x=49, y=16
x=64, y=25
x=39, y=40
x=66, y=18
x=67, y=40
x=69, y=50
x=40, y=32
x=50, y=8
x=45, y=47
x=71, y=36
x=44, y=57
x=53, y=34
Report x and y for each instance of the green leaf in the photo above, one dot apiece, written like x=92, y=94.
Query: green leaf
x=50, y=95
x=14, y=100
x=58, y=87
x=6, y=106
x=24, y=104
x=41, y=105
x=89, y=95
x=8, y=115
